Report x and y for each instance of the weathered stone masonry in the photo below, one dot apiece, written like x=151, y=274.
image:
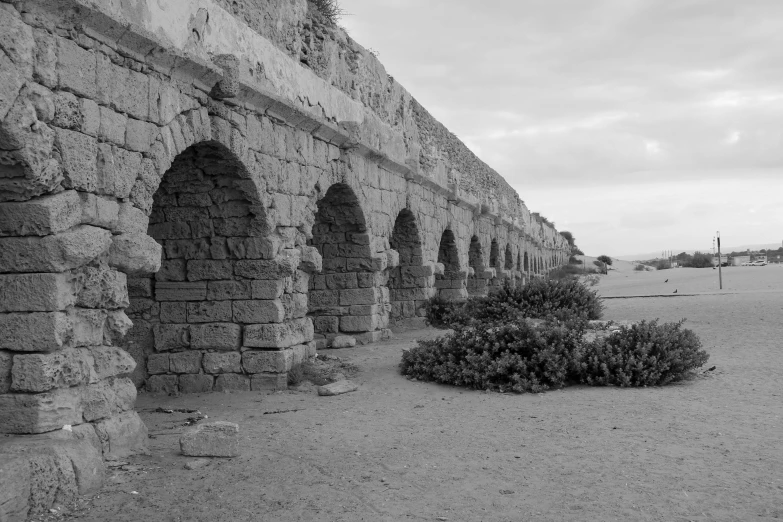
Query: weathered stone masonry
x=194, y=199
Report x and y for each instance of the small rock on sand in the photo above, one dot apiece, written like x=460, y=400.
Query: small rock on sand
x=343, y=341
x=196, y=463
x=337, y=388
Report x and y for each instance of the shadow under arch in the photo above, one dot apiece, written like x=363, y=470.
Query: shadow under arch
x=410, y=283
x=350, y=296
x=450, y=283
x=477, y=282
x=217, y=283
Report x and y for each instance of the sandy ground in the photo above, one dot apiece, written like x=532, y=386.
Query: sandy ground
x=708, y=449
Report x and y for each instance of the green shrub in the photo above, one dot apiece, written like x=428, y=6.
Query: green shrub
x=442, y=313
x=639, y=268
x=644, y=354
x=605, y=259
x=511, y=357
x=543, y=299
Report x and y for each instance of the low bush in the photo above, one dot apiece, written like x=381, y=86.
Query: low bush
x=512, y=357
x=640, y=268
x=644, y=354
x=443, y=313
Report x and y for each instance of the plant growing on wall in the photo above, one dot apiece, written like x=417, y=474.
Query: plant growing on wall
x=330, y=10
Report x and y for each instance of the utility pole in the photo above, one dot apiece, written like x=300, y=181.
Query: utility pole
x=720, y=265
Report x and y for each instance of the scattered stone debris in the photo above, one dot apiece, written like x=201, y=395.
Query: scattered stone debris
x=197, y=463
x=343, y=341
x=212, y=439
x=337, y=388
x=281, y=411
x=176, y=410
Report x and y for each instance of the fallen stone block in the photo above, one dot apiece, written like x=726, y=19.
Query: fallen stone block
x=343, y=341
x=337, y=388
x=212, y=439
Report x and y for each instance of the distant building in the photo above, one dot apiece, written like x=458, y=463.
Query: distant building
x=724, y=260
x=738, y=260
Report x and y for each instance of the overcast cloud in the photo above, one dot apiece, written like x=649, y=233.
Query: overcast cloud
x=639, y=125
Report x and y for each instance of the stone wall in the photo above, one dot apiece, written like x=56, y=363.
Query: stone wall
x=188, y=204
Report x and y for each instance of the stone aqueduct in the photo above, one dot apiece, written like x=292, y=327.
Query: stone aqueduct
x=190, y=184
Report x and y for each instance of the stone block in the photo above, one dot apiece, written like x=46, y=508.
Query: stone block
x=222, y=362
x=454, y=294
x=216, y=336
x=267, y=289
x=79, y=154
x=6, y=361
x=253, y=247
x=162, y=384
x=35, y=332
x=37, y=292
x=132, y=95
x=258, y=311
x=112, y=126
x=201, y=270
x=259, y=361
x=172, y=270
x=91, y=117
x=107, y=398
x=40, y=412
x=180, y=291
x=343, y=341
x=278, y=268
x=54, y=253
x=135, y=254
x=76, y=69
x=41, y=216
x=122, y=435
x=173, y=312
x=326, y=324
x=295, y=305
x=209, y=311
x=341, y=281
x=269, y=381
x=40, y=372
x=232, y=382
x=171, y=336
x=199, y=383
x=211, y=439
x=279, y=335
x=185, y=362
x=131, y=220
x=226, y=290
x=158, y=363
x=88, y=326
x=139, y=135
x=323, y=298
x=359, y=296
x=111, y=361
x=99, y=212
x=140, y=287
x=311, y=261
x=359, y=323
x=102, y=288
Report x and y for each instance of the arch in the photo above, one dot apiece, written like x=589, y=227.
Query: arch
x=350, y=293
x=447, y=252
x=477, y=282
x=218, y=288
x=509, y=264
x=409, y=282
x=450, y=283
x=526, y=263
x=494, y=254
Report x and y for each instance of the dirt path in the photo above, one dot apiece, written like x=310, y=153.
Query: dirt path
x=709, y=449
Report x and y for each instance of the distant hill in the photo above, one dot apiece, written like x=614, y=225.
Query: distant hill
x=724, y=249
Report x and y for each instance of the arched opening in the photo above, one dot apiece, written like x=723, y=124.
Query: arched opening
x=410, y=282
x=494, y=254
x=451, y=283
x=350, y=295
x=509, y=265
x=526, y=263
x=477, y=282
x=220, y=314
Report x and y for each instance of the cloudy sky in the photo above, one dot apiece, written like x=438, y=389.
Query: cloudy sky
x=638, y=125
